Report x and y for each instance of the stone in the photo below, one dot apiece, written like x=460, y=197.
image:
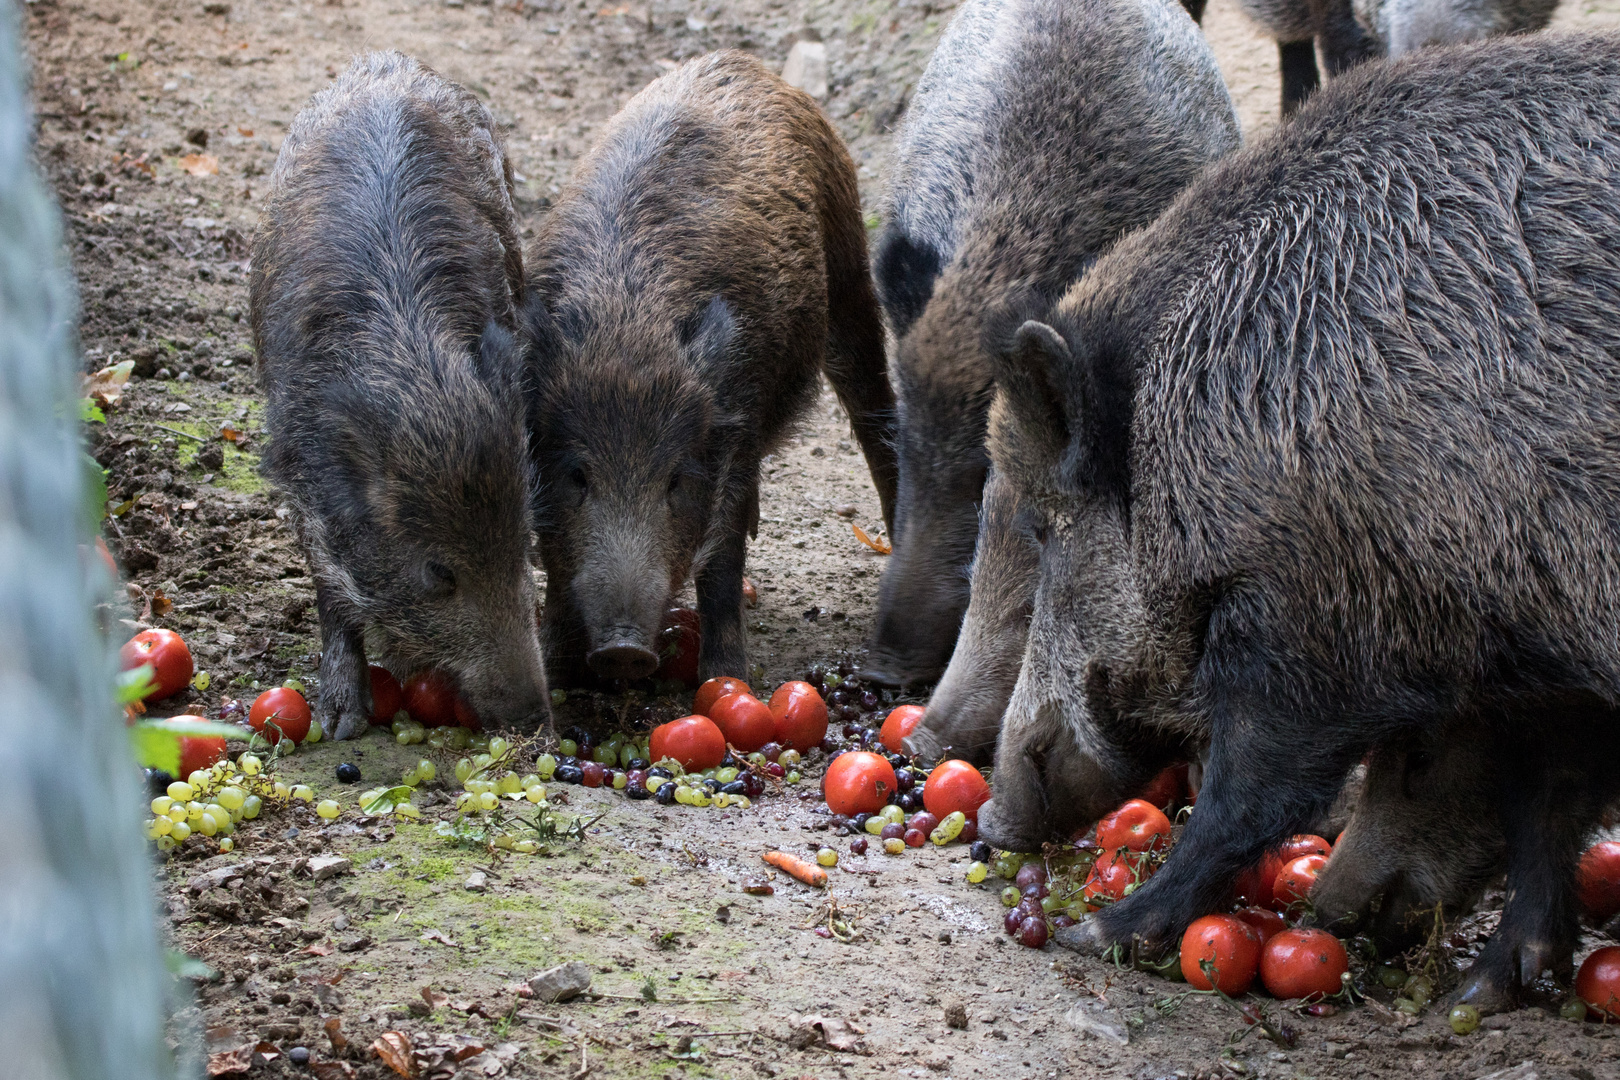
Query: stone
x=806, y=68
x=322, y=867
x=561, y=983
x=956, y=1015
x=477, y=881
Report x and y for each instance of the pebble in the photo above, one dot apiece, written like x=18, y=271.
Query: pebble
x=477, y=881
x=562, y=982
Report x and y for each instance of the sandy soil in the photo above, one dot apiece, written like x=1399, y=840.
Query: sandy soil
x=125, y=90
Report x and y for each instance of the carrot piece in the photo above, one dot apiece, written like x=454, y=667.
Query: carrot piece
x=807, y=872
x=878, y=545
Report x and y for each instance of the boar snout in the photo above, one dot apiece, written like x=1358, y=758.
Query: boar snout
x=625, y=656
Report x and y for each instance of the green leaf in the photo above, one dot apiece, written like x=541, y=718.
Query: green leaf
x=133, y=685
x=90, y=412
x=385, y=801
x=95, y=492
x=155, y=748
x=186, y=967
x=183, y=726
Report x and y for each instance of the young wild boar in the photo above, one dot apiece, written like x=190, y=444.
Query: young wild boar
x=1041, y=131
x=1321, y=463
x=386, y=279
x=705, y=264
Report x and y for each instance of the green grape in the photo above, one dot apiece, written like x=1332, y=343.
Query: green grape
x=683, y=794
x=180, y=831
x=977, y=872
x=525, y=847
x=756, y=758
x=949, y=828
x=249, y=764
x=892, y=815
x=620, y=781
x=152, y=830
x=407, y=810
x=482, y=762
x=528, y=781
x=700, y=797
x=726, y=775
x=568, y=748
x=426, y=770
x=464, y=769
x=788, y=758
x=827, y=857
x=487, y=800
x=410, y=777
x=1464, y=1019
x=741, y=802
x=466, y=801
x=302, y=791
x=167, y=844
x=508, y=785
x=627, y=754
x=534, y=793
x=328, y=809
x=403, y=738
x=227, y=844
x=721, y=799
x=1420, y=988
x=894, y=846
x=251, y=807
x=315, y=733
x=1573, y=1009
x=180, y=791
x=497, y=748
x=1010, y=896
x=605, y=755
x=161, y=804
x=200, y=779
x=178, y=812
x=875, y=823
x=793, y=776
x=546, y=766
x=231, y=798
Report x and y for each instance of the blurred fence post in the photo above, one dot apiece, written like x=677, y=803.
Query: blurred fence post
x=82, y=979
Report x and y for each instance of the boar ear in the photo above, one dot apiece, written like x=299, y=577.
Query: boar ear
x=708, y=336
x=1026, y=373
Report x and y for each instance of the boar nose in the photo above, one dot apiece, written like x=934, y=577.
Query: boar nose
x=623, y=659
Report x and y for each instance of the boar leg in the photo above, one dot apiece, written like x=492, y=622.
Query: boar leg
x=724, y=650
x=1266, y=779
x=345, y=700
x=1299, y=75
x=855, y=364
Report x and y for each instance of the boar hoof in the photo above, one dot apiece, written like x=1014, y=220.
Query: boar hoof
x=623, y=660
x=351, y=726
x=923, y=743
x=1486, y=991
x=1081, y=938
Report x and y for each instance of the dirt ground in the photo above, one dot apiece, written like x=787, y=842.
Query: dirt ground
x=692, y=977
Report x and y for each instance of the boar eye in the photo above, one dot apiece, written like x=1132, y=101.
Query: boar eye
x=577, y=478
x=441, y=578
x=674, y=483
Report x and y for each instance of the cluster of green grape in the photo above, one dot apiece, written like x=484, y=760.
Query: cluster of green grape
x=409, y=732
x=215, y=800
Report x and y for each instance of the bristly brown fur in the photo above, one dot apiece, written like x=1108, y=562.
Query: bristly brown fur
x=385, y=291
x=1331, y=467
x=706, y=262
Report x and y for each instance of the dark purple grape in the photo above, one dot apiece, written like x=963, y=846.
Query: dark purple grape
x=904, y=780
x=860, y=820
x=839, y=697
x=846, y=668
x=712, y=785
x=892, y=831
x=730, y=761
x=816, y=674
x=570, y=774
x=775, y=769
x=1032, y=932
x=908, y=801
x=849, y=714
x=660, y=772
x=639, y=763
x=753, y=785
x=857, y=846
x=348, y=773
x=869, y=700
x=830, y=744
x=158, y=781
x=736, y=787
x=1030, y=873
x=969, y=833
x=1014, y=919
x=638, y=792
x=771, y=750
x=838, y=821
x=666, y=793
x=982, y=852
x=1060, y=921
x=852, y=730
x=1035, y=890
x=899, y=761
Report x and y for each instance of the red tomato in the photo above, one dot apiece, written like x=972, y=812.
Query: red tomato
x=678, y=646
x=1112, y=874
x=1266, y=923
x=955, y=785
x=1230, y=946
x=1600, y=881
x=1169, y=787
x=859, y=782
x=1138, y=825
x=801, y=716
x=1598, y=982
x=1254, y=884
x=430, y=698
x=1293, y=882
x=744, y=720
x=168, y=655
x=1303, y=963
x=715, y=689
x=898, y=724
x=200, y=751
x=387, y=696
x=281, y=709
x=694, y=741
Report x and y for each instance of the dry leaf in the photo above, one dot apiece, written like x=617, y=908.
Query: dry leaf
x=334, y=1034
x=231, y=1062
x=332, y=1070
x=466, y=1046
x=228, y=431
x=831, y=1032
x=434, y=999
x=750, y=594
x=223, y=1037
x=268, y=1050
x=394, y=1047
x=106, y=386
x=436, y=935
x=321, y=948
x=200, y=164
x=880, y=545
x=246, y=133
x=161, y=605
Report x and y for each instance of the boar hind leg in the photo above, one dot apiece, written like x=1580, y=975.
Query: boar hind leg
x=724, y=650
x=345, y=700
x=855, y=364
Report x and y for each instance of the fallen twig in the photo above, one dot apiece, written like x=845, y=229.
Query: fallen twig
x=182, y=434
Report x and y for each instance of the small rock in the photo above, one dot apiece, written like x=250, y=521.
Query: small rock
x=806, y=68
x=198, y=137
x=561, y=983
x=354, y=944
x=322, y=867
x=299, y=1056
x=846, y=510
x=340, y=923
x=477, y=881
x=215, y=879
x=956, y=1015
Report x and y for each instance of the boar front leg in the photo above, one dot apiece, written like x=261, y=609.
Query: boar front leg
x=719, y=595
x=345, y=699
